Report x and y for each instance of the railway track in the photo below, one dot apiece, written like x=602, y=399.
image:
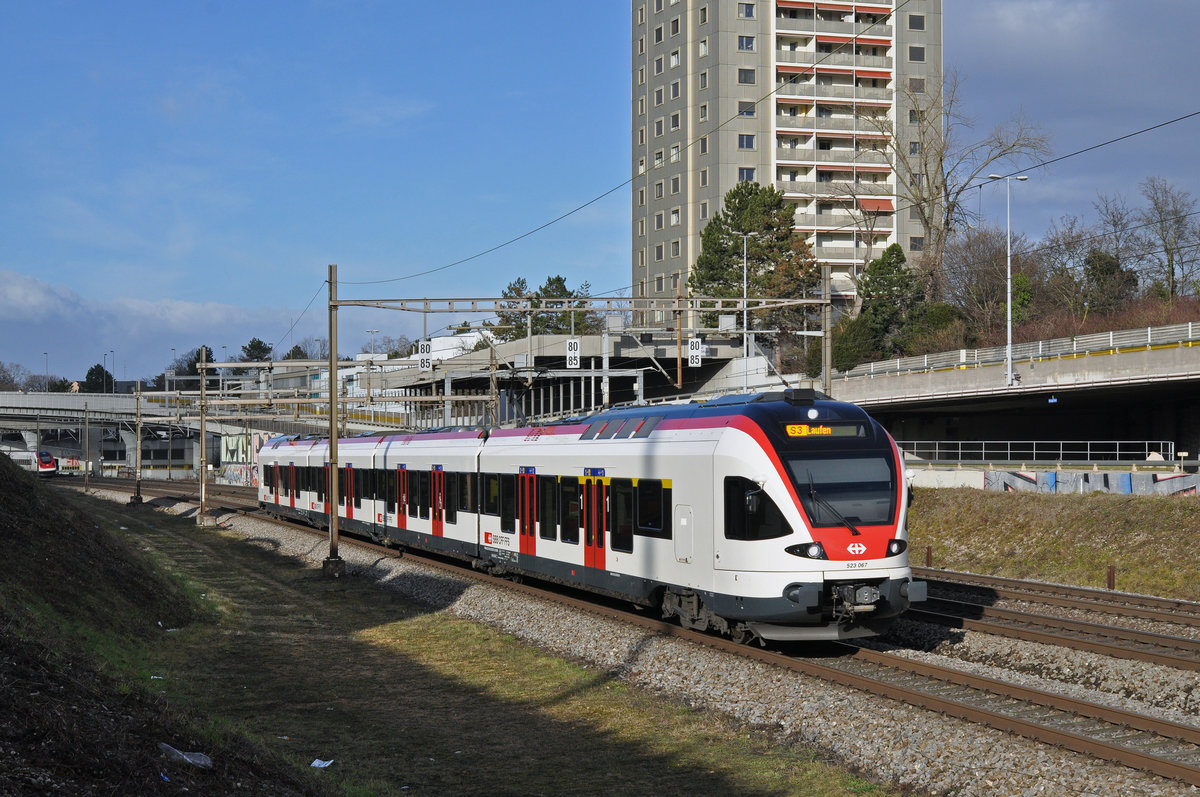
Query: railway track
x=1164, y=748
x=993, y=588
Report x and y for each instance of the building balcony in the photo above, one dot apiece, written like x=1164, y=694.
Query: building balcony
x=849, y=157
x=842, y=188
x=877, y=30
x=819, y=91
x=839, y=221
x=840, y=124
x=811, y=58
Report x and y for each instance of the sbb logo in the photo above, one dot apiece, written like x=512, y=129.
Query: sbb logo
x=856, y=548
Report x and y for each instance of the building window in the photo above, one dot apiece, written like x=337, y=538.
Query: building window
x=675, y=281
x=658, y=127
x=745, y=174
x=675, y=26
x=641, y=135
x=641, y=106
x=658, y=65
x=658, y=252
x=675, y=90
x=746, y=108
x=746, y=44
x=658, y=96
x=657, y=5
x=916, y=243
x=641, y=44
x=675, y=184
x=675, y=59
x=916, y=22
x=658, y=221
x=746, y=10
x=916, y=85
x=675, y=248
x=641, y=226
x=703, y=145
x=641, y=165
x=658, y=190
x=642, y=285
x=642, y=76
x=702, y=48
x=658, y=283
x=641, y=257
x=914, y=116
x=914, y=148
x=914, y=213
x=704, y=112
x=703, y=80
x=703, y=15
x=916, y=55
x=704, y=178
x=641, y=15
x=642, y=193
x=675, y=121
x=675, y=153
x=658, y=159
x=675, y=217
x=703, y=210
x=658, y=34
x=745, y=141
x=746, y=77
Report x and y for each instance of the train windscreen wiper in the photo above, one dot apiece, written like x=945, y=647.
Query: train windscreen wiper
x=812, y=493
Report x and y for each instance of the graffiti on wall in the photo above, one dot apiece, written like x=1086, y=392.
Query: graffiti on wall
x=1128, y=483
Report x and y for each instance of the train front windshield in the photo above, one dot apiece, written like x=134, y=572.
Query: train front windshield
x=836, y=488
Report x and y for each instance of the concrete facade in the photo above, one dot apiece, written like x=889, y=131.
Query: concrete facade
x=799, y=95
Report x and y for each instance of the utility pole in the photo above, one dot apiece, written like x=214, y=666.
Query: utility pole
x=87, y=449
x=203, y=438
x=136, y=498
x=827, y=330
x=333, y=566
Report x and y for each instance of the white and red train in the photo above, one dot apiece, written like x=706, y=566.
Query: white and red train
x=43, y=463
x=779, y=515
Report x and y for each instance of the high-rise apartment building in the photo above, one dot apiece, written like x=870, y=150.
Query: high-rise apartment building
x=804, y=96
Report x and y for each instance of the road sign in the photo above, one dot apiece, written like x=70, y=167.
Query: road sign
x=695, y=352
x=425, y=355
x=573, y=348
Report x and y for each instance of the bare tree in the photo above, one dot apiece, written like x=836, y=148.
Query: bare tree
x=1117, y=229
x=1063, y=252
x=936, y=161
x=1170, y=237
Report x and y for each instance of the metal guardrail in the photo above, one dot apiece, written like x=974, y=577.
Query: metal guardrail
x=1110, y=342
x=1038, y=450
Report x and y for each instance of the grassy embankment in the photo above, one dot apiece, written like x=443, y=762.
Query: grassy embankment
x=1072, y=539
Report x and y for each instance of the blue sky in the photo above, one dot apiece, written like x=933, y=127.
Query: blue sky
x=174, y=174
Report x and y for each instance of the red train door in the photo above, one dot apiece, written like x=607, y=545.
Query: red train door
x=402, y=502
x=595, y=517
x=437, y=485
x=348, y=491
x=527, y=510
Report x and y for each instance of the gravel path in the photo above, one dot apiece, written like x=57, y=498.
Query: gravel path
x=909, y=747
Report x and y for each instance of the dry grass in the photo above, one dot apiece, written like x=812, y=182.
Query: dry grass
x=1072, y=539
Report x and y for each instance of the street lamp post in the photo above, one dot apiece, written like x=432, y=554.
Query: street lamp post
x=47, y=355
x=372, y=332
x=1008, y=360
x=114, y=373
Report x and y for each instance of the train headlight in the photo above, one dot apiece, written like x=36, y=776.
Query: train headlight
x=897, y=547
x=808, y=550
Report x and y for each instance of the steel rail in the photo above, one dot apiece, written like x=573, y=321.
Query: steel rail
x=1149, y=607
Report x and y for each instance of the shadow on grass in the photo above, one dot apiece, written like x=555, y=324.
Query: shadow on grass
x=403, y=699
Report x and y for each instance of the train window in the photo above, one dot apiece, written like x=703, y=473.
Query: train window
x=359, y=479
x=859, y=489
x=343, y=485
x=653, y=509
x=423, y=492
x=630, y=426
x=547, y=499
x=593, y=430
x=508, y=502
x=449, y=491
x=390, y=486
x=647, y=426
x=491, y=494
x=750, y=514
x=466, y=492
x=569, y=508
x=323, y=484
x=620, y=525
x=610, y=429
x=411, y=491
